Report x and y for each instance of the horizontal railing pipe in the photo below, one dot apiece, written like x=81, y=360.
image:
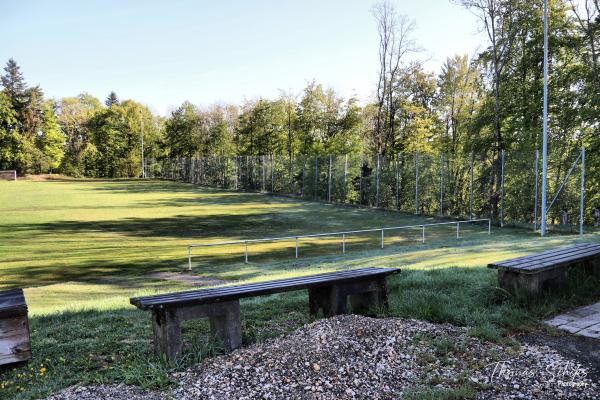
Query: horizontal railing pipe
x=333, y=234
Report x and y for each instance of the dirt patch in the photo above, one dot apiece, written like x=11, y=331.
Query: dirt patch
x=193, y=280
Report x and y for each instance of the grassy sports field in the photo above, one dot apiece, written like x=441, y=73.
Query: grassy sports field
x=81, y=248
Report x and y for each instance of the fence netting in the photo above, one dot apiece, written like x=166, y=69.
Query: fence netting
x=504, y=188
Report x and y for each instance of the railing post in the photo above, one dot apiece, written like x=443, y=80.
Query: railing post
x=343, y=243
x=189, y=258
x=296, y=246
x=382, y=238
x=489, y=226
x=582, y=196
x=246, y=252
x=458, y=230
x=423, y=233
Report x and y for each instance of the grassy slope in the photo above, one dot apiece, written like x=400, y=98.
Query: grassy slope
x=82, y=248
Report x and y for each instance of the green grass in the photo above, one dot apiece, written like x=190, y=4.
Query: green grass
x=82, y=248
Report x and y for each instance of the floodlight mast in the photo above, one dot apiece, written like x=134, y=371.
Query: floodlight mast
x=545, y=123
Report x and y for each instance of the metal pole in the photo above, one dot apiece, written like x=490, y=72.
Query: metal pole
x=581, y=200
x=397, y=181
x=417, y=184
x=382, y=238
x=360, y=180
x=189, y=258
x=303, y=172
x=502, y=192
x=545, y=124
x=246, y=252
x=471, y=187
x=423, y=234
x=537, y=174
x=316, y=175
x=489, y=226
x=343, y=243
x=442, y=185
x=142, y=139
x=263, y=173
x=296, y=246
x=329, y=182
x=377, y=188
x=272, y=173
x=346, y=179
x=458, y=230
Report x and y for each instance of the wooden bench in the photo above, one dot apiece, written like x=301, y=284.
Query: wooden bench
x=329, y=292
x=534, y=273
x=14, y=328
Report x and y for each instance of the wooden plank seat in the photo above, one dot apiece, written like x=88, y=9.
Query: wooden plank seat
x=14, y=328
x=536, y=272
x=329, y=292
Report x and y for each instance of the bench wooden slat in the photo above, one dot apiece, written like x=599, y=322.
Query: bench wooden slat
x=558, y=262
x=546, y=255
x=12, y=302
x=325, y=277
x=258, y=289
x=546, y=259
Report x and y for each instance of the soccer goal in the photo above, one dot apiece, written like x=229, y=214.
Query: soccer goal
x=9, y=175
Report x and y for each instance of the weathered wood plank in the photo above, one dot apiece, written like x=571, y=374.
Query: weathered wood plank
x=258, y=289
x=14, y=340
x=547, y=255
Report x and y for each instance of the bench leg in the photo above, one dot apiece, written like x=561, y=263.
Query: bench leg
x=227, y=327
x=167, y=333
x=367, y=302
x=333, y=300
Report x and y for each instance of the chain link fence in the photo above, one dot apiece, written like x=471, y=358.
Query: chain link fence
x=505, y=188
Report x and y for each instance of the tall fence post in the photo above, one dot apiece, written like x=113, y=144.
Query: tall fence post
x=471, y=187
x=502, y=191
x=303, y=173
x=316, y=176
x=360, y=179
x=582, y=196
x=537, y=175
x=397, y=181
x=272, y=173
x=346, y=179
x=442, y=185
x=329, y=181
x=377, y=182
x=417, y=183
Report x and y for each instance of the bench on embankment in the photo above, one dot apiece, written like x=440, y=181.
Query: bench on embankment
x=534, y=273
x=329, y=292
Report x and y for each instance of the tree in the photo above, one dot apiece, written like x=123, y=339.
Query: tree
x=74, y=114
x=9, y=137
x=14, y=86
x=51, y=140
x=112, y=100
x=395, y=43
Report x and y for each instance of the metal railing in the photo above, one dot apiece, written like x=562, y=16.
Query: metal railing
x=343, y=234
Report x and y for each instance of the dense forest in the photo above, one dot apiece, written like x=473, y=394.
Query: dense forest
x=473, y=107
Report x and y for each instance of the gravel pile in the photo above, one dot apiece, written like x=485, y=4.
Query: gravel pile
x=355, y=357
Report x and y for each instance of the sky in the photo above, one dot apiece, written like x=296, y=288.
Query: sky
x=162, y=53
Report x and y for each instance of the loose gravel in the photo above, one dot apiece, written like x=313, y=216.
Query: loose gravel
x=356, y=357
